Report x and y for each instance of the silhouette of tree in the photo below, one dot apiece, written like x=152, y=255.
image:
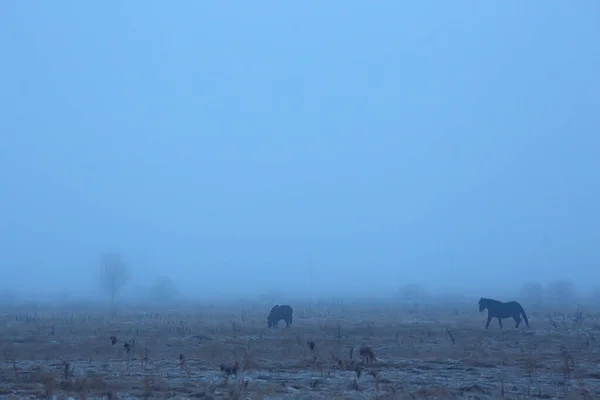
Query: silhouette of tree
x=115, y=274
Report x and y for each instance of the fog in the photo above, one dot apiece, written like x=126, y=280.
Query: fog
x=315, y=149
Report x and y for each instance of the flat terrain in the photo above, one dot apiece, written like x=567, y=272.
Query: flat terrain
x=421, y=352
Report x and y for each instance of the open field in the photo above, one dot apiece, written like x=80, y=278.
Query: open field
x=421, y=352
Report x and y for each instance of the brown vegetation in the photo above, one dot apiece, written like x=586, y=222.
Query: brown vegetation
x=435, y=352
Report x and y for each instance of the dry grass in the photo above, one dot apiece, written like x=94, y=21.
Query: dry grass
x=366, y=352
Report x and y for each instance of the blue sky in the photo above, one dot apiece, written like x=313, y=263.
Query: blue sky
x=238, y=146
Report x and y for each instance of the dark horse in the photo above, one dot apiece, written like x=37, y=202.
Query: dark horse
x=498, y=309
x=279, y=313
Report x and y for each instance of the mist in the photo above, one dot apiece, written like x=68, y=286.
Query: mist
x=313, y=150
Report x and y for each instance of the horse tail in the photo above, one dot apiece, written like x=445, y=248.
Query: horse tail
x=524, y=315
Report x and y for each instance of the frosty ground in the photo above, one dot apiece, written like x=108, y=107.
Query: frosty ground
x=422, y=351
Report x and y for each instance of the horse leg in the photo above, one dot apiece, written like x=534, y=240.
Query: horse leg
x=487, y=324
x=500, y=322
x=517, y=321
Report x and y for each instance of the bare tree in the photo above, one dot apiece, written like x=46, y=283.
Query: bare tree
x=114, y=274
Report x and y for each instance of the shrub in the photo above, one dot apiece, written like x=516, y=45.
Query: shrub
x=413, y=292
x=533, y=292
x=163, y=290
x=561, y=291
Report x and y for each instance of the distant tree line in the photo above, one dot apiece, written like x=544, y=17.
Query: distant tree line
x=561, y=291
x=115, y=274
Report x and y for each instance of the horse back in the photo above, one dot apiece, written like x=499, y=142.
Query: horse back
x=505, y=310
x=514, y=304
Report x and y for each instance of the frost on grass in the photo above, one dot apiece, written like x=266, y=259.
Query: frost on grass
x=346, y=352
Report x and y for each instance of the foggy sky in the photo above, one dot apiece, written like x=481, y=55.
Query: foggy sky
x=235, y=148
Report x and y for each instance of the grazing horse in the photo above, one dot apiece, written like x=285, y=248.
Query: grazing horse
x=279, y=313
x=498, y=309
